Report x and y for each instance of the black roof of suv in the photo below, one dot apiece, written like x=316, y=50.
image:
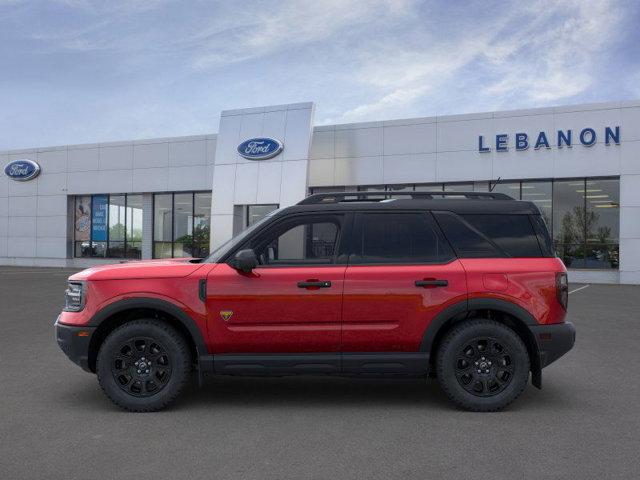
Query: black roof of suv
x=457, y=202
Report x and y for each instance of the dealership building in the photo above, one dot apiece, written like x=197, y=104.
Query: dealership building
x=81, y=205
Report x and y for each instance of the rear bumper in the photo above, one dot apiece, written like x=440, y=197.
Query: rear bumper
x=74, y=342
x=554, y=341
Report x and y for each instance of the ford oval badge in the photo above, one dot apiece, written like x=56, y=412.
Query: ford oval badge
x=260, y=148
x=22, y=170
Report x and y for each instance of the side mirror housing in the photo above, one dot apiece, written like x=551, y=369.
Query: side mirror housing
x=245, y=260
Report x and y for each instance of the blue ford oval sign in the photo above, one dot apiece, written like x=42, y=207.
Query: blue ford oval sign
x=22, y=170
x=260, y=148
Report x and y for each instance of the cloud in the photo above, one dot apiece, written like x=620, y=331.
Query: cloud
x=126, y=69
x=541, y=53
x=255, y=33
x=553, y=60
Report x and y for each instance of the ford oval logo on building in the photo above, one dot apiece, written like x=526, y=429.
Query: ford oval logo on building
x=22, y=170
x=260, y=148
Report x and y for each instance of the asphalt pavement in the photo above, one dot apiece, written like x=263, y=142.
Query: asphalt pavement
x=56, y=423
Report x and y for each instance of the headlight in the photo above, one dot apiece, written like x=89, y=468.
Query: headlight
x=74, y=297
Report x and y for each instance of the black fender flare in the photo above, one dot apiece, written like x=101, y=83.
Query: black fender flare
x=156, y=304
x=461, y=308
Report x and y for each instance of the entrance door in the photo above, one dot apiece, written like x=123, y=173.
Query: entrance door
x=290, y=303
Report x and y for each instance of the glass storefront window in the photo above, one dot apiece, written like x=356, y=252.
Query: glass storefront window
x=256, y=213
x=480, y=186
x=603, y=223
x=458, y=187
x=568, y=212
x=429, y=187
x=108, y=226
x=162, y=225
x=510, y=188
x=540, y=193
x=116, y=226
x=182, y=224
x=201, y=224
x=134, y=226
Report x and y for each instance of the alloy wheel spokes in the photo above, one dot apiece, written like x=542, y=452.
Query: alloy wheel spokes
x=484, y=367
x=141, y=366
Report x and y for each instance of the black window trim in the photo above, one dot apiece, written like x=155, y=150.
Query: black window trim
x=342, y=219
x=431, y=223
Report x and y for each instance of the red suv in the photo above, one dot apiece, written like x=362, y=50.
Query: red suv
x=461, y=286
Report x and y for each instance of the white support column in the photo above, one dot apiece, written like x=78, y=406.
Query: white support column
x=629, y=229
x=279, y=180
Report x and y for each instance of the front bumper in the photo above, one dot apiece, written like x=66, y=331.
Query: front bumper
x=554, y=341
x=74, y=342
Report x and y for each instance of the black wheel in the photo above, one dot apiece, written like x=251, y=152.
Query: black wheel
x=143, y=365
x=482, y=365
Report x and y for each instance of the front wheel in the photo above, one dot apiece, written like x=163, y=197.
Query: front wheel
x=143, y=365
x=482, y=365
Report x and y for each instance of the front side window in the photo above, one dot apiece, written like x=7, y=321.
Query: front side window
x=303, y=241
x=398, y=238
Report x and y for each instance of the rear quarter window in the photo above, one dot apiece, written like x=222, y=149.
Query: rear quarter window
x=514, y=234
x=490, y=236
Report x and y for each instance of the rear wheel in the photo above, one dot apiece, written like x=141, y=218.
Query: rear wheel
x=143, y=365
x=482, y=365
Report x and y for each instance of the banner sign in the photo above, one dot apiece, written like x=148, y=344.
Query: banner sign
x=83, y=219
x=99, y=218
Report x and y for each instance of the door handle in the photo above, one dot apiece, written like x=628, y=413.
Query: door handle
x=431, y=283
x=314, y=284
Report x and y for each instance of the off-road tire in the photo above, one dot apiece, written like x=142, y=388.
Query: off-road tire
x=455, y=350
x=114, y=358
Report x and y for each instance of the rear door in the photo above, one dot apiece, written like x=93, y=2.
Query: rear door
x=401, y=274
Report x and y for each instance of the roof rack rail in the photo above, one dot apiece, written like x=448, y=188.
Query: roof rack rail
x=338, y=197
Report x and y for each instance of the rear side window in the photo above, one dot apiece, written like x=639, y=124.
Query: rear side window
x=514, y=234
x=467, y=241
x=398, y=238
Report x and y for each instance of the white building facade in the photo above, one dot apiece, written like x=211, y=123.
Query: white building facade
x=78, y=205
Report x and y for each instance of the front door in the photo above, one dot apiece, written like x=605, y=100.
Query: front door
x=290, y=303
x=401, y=274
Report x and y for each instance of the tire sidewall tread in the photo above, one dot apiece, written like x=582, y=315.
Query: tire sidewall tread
x=464, y=332
x=180, y=368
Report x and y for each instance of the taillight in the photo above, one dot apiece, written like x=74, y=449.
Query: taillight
x=562, y=289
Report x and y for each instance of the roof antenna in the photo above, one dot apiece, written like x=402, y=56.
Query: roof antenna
x=494, y=185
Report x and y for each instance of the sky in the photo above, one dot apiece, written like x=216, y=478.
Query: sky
x=80, y=71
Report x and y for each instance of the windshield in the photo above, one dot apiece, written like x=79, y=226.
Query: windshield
x=232, y=243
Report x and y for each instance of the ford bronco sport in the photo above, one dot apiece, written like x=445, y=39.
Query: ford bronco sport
x=461, y=286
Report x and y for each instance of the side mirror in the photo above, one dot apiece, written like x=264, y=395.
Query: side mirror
x=245, y=260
